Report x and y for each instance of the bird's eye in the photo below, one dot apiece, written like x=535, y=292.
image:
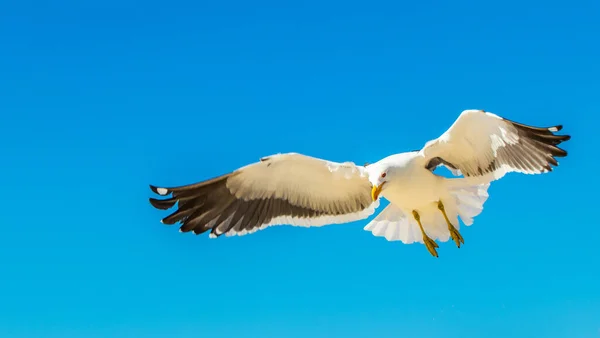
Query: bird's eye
x=383, y=175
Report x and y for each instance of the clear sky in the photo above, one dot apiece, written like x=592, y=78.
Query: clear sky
x=99, y=99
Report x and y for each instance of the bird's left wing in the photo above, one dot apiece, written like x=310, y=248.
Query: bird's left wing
x=486, y=146
x=281, y=189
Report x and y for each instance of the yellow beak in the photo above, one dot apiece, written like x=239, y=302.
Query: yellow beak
x=376, y=191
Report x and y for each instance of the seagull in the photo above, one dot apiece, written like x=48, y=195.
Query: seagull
x=300, y=190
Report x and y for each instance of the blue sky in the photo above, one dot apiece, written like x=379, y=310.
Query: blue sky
x=98, y=100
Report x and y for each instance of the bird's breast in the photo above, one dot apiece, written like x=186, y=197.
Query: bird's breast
x=412, y=188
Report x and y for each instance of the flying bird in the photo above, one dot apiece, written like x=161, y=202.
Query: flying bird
x=300, y=190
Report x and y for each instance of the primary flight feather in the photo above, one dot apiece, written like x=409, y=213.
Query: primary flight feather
x=300, y=190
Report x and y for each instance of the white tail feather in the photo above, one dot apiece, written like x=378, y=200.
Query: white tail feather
x=469, y=201
x=465, y=201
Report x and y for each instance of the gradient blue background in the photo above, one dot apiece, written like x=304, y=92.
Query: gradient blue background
x=98, y=100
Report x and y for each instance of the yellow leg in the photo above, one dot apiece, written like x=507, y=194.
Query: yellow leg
x=456, y=236
x=429, y=243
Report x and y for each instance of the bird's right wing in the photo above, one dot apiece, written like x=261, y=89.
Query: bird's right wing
x=281, y=189
x=485, y=146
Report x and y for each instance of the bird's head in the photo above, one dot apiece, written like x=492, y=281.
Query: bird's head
x=379, y=176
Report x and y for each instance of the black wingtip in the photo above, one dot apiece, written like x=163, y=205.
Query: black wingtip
x=162, y=204
x=556, y=128
x=159, y=191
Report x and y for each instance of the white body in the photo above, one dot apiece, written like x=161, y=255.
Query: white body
x=413, y=187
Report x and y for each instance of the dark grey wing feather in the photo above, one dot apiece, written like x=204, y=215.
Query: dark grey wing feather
x=482, y=144
x=234, y=204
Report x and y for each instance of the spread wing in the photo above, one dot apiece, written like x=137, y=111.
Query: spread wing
x=486, y=146
x=281, y=189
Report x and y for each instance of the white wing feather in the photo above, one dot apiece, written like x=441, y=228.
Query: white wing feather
x=281, y=189
x=483, y=145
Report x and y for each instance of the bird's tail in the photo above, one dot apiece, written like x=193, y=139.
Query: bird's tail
x=464, y=201
x=468, y=198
